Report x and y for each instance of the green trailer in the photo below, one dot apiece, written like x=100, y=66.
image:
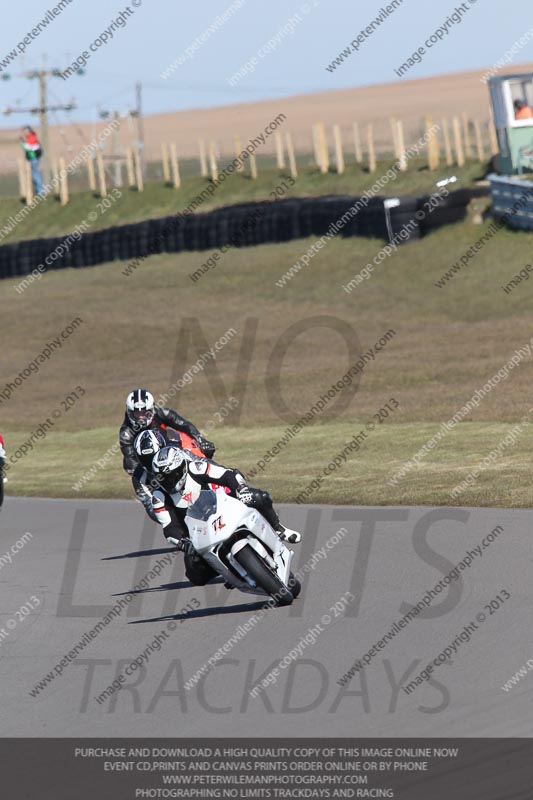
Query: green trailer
x=512, y=103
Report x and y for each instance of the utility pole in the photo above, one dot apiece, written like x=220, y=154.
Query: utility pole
x=117, y=155
x=43, y=109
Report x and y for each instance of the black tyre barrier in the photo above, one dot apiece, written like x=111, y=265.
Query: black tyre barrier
x=243, y=225
x=77, y=258
x=444, y=216
x=176, y=236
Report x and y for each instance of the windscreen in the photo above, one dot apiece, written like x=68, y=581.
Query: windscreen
x=204, y=506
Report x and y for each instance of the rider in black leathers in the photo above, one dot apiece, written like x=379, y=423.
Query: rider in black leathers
x=143, y=414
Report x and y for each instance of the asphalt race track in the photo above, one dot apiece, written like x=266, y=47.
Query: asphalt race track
x=85, y=556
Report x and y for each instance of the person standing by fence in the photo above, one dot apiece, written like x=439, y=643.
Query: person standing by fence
x=33, y=150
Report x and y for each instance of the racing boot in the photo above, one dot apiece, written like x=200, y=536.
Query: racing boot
x=287, y=534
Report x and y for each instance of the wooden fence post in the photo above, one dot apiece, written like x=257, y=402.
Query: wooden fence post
x=433, y=145
x=339, y=155
x=316, y=152
x=469, y=153
x=213, y=162
x=371, y=148
x=22, y=178
x=358, y=150
x=55, y=176
x=280, y=154
x=323, y=148
x=238, y=151
x=493, y=136
x=91, y=174
x=479, y=142
x=204, y=172
x=63, y=182
x=175, y=167
x=253, y=167
x=166, y=165
x=130, y=168
x=291, y=156
x=101, y=174
x=402, y=158
x=458, y=141
x=138, y=169
x=447, y=143
x=395, y=143
x=29, y=183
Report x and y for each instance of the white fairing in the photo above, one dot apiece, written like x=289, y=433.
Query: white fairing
x=215, y=517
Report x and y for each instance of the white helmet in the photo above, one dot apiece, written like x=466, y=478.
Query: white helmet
x=170, y=467
x=140, y=408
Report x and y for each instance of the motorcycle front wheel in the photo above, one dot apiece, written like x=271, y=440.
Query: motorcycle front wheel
x=263, y=576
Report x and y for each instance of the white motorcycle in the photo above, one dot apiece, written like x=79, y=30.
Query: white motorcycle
x=240, y=545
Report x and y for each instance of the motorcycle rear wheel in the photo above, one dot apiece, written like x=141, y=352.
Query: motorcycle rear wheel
x=263, y=576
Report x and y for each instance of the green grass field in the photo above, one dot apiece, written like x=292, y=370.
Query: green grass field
x=150, y=328
x=50, y=219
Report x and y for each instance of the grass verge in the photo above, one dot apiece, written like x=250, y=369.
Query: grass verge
x=58, y=463
x=151, y=328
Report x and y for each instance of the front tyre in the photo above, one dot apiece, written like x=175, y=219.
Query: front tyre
x=263, y=576
x=294, y=585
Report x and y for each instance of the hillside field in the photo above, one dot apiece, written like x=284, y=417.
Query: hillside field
x=152, y=327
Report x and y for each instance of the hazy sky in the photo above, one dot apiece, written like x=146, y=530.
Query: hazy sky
x=160, y=30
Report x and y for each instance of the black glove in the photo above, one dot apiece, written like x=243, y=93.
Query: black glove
x=245, y=495
x=207, y=447
x=185, y=545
